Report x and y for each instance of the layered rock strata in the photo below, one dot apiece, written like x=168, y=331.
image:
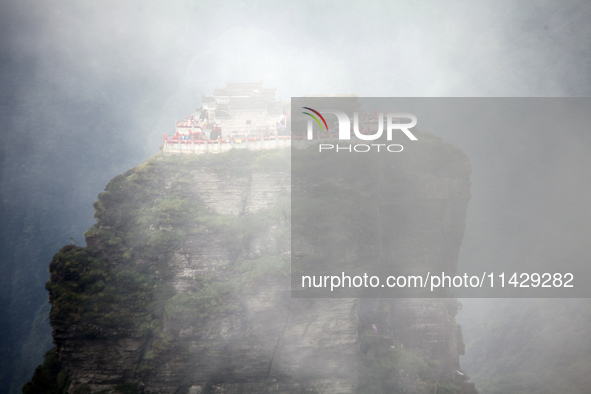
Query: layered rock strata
x=184, y=288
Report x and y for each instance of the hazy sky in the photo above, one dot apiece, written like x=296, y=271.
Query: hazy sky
x=92, y=85
x=380, y=48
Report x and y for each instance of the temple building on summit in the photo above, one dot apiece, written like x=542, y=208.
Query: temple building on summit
x=245, y=108
x=239, y=116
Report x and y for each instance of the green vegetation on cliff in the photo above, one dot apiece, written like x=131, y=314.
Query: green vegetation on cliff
x=98, y=298
x=49, y=378
x=117, y=286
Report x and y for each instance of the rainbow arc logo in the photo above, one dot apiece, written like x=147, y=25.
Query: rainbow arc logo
x=315, y=118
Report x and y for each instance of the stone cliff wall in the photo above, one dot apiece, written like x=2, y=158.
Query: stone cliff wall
x=184, y=288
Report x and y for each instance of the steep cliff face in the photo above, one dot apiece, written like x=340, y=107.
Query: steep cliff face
x=184, y=288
